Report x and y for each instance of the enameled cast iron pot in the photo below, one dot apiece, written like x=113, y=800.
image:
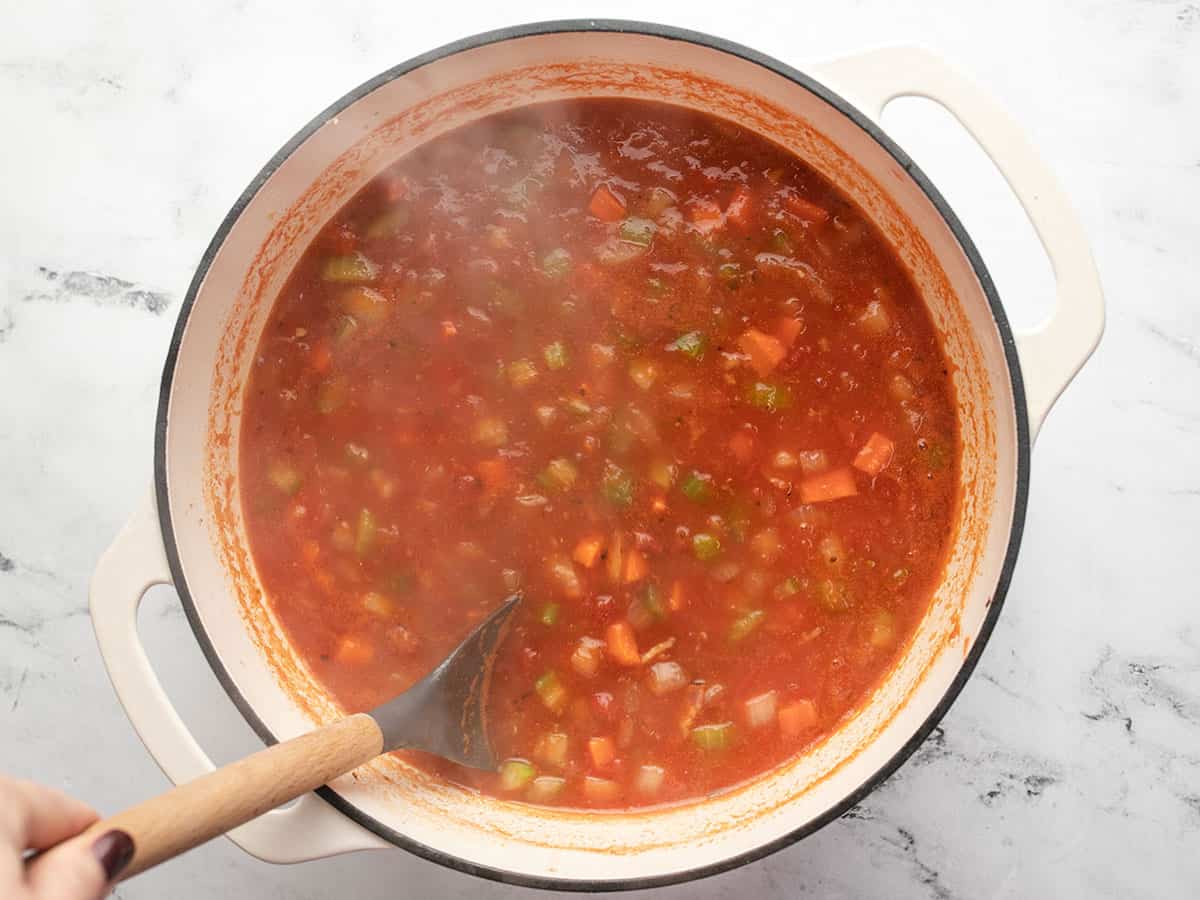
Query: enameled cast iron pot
x=189, y=533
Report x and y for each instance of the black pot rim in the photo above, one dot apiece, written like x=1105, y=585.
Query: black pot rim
x=1021, y=488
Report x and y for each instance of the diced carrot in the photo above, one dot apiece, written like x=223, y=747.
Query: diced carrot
x=602, y=750
x=622, y=644
x=741, y=445
x=765, y=352
x=676, y=601
x=354, y=651
x=587, y=551
x=494, y=474
x=449, y=329
x=805, y=210
x=832, y=485
x=739, y=210
x=636, y=567
x=706, y=216
x=322, y=358
x=875, y=454
x=311, y=551
x=797, y=718
x=606, y=206
x=788, y=330
x=616, y=558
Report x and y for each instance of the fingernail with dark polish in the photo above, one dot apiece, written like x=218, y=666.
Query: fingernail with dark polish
x=114, y=850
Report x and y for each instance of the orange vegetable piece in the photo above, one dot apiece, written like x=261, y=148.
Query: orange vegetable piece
x=449, y=329
x=621, y=644
x=765, y=352
x=606, y=206
x=587, y=551
x=322, y=357
x=602, y=750
x=354, y=651
x=636, y=567
x=832, y=485
x=739, y=210
x=805, y=210
x=494, y=473
x=658, y=505
x=676, y=601
x=706, y=216
x=741, y=445
x=875, y=454
x=789, y=329
x=797, y=718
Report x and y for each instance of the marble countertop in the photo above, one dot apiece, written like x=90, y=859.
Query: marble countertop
x=1070, y=765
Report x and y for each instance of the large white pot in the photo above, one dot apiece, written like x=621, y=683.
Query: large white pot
x=190, y=533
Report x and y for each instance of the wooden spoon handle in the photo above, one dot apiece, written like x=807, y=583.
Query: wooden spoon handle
x=193, y=813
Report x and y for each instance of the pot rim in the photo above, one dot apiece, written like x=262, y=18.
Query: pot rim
x=1023, y=446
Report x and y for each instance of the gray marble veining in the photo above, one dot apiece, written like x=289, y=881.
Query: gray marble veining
x=1070, y=765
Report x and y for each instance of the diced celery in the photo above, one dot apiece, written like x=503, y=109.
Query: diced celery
x=705, y=546
x=771, y=397
x=390, y=224
x=549, y=614
x=556, y=355
x=745, y=624
x=559, y=475
x=637, y=231
x=617, y=485
x=363, y=303
x=285, y=477
x=691, y=343
x=364, y=534
x=781, y=242
x=349, y=268
x=730, y=275
x=515, y=774
x=697, y=487
x=551, y=691
x=713, y=737
x=556, y=263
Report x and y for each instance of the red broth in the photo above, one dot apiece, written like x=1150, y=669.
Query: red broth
x=654, y=371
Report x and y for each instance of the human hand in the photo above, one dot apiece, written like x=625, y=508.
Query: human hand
x=36, y=818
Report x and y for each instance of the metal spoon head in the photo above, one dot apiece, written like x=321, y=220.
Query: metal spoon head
x=445, y=712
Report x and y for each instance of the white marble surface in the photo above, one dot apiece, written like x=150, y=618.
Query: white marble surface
x=1070, y=766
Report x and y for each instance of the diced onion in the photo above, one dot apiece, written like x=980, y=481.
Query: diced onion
x=760, y=710
x=648, y=779
x=666, y=678
x=588, y=655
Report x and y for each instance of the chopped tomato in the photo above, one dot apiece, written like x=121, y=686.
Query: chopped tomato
x=788, y=330
x=741, y=445
x=494, y=473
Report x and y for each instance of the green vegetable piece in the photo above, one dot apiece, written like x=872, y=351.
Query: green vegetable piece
x=284, y=477
x=771, y=397
x=390, y=224
x=637, y=231
x=551, y=691
x=556, y=263
x=559, y=475
x=652, y=601
x=693, y=344
x=556, y=355
x=365, y=532
x=730, y=275
x=617, y=485
x=697, y=487
x=549, y=614
x=713, y=737
x=353, y=267
x=781, y=242
x=515, y=774
x=745, y=624
x=705, y=546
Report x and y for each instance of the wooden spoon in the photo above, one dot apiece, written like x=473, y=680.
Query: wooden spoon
x=442, y=714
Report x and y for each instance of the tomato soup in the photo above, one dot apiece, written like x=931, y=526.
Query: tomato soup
x=649, y=369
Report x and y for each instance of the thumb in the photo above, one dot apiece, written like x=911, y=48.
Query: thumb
x=82, y=868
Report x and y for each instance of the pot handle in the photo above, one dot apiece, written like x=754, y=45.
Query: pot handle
x=1052, y=353
x=308, y=829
